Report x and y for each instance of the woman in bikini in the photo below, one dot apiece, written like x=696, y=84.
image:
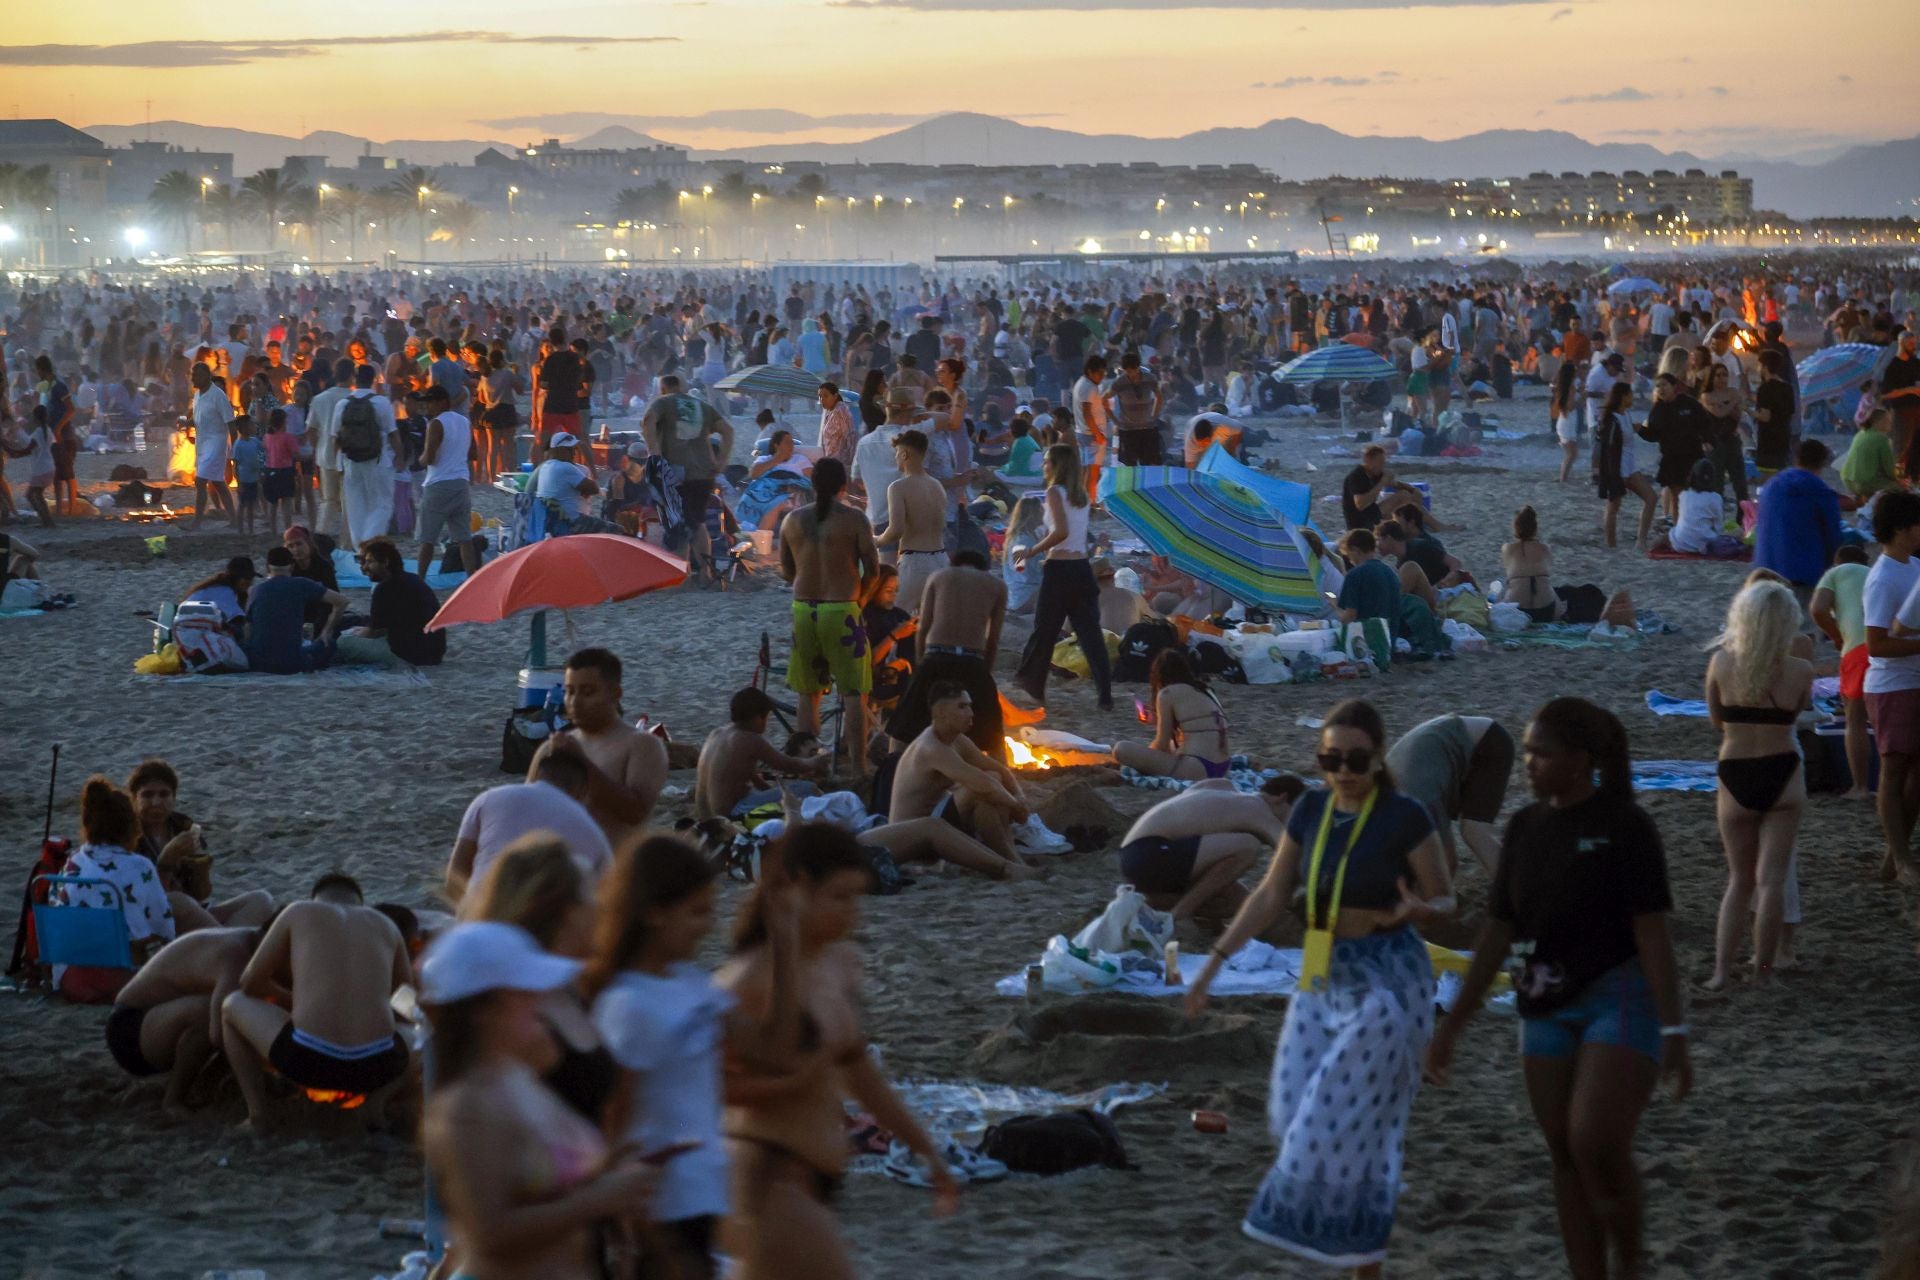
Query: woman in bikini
x=786, y=1128
x=522, y=1175
x=1528, y=564
x=1190, y=727
x=1756, y=688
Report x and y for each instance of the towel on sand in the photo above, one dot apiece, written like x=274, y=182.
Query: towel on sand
x=343, y=677
x=1675, y=775
x=346, y=570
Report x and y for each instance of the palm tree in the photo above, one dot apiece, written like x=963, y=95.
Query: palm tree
x=455, y=222
x=349, y=206
x=30, y=197
x=218, y=207
x=267, y=193
x=175, y=198
x=643, y=204
x=415, y=184
x=303, y=210
x=388, y=205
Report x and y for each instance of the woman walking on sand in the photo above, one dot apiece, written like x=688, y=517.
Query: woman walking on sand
x=1581, y=891
x=1348, y=1063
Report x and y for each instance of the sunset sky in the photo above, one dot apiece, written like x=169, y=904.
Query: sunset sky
x=1758, y=77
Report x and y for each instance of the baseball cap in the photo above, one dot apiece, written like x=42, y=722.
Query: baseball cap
x=900, y=398
x=1613, y=358
x=1023, y=408
x=563, y=440
x=488, y=955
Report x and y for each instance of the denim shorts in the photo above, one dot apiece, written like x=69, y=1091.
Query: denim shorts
x=1616, y=1008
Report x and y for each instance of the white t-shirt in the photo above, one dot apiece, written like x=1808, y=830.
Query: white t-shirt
x=212, y=416
x=1089, y=410
x=500, y=815
x=668, y=1031
x=1660, y=319
x=560, y=481
x=875, y=468
x=1889, y=595
x=40, y=464
x=323, y=415
x=1701, y=515
x=450, y=462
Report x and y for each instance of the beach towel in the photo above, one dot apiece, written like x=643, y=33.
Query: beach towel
x=339, y=677
x=1675, y=775
x=1245, y=778
x=1664, y=552
x=1662, y=704
x=1566, y=635
x=767, y=494
x=346, y=571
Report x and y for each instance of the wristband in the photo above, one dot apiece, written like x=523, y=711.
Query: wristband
x=1678, y=1030
x=1218, y=954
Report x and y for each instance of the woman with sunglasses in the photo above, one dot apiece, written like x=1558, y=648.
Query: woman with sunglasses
x=1347, y=1067
x=1582, y=891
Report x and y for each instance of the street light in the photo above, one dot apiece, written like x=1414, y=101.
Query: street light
x=136, y=238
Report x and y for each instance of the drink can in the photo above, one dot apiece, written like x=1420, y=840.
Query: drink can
x=1172, y=957
x=1036, y=981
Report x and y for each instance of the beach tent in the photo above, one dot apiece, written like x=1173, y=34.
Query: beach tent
x=1288, y=497
x=1220, y=532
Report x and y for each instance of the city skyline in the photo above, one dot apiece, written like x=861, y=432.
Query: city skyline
x=679, y=71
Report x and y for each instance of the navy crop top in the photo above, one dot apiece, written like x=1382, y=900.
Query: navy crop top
x=1380, y=858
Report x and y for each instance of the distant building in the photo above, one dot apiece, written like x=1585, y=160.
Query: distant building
x=619, y=167
x=78, y=162
x=1702, y=197
x=137, y=166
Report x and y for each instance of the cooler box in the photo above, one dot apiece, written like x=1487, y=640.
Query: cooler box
x=535, y=682
x=1319, y=640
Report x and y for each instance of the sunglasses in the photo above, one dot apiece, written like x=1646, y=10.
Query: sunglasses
x=1355, y=760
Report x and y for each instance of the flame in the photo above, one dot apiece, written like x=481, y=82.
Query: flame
x=336, y=1098
x=1022, y=756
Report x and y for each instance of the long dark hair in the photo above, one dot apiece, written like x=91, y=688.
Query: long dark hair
x=829, y=478
x=1358, y=713
x=456, y=1036
x=811, y=851
x=649, y=872
x=1579, y=725
x=1171, y=666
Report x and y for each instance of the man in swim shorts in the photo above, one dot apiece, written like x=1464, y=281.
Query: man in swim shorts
x=167, y=1019
x=943, y=775
x=737, y=761
x=1188, y=853
x=1459, y=767
x=342, y=961
x=827, y=554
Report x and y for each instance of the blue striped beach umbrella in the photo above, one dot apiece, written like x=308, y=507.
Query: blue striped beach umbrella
x=1218, y=531
x=769, y=380
x=1832, y=372
x=1288, y=497
x=1340, y=362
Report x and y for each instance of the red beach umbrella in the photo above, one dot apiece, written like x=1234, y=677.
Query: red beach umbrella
x=561, y=573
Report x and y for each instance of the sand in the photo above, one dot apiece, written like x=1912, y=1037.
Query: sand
x=1779, y=1165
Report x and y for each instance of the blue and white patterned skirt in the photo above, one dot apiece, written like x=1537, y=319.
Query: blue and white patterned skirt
x=1344, y=1078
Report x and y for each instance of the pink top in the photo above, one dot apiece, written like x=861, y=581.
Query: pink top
x=283, y=448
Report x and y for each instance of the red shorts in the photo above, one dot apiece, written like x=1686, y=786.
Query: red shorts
x=552, y=424
x=1853, y=672
x=1896, y=721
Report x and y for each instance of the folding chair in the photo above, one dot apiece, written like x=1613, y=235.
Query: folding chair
x=831, y=718
x=90, y=937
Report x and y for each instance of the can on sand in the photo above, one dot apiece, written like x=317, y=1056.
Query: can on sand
x=1036, y=981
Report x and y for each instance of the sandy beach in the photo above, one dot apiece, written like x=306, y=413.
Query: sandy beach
x=1778, y=1166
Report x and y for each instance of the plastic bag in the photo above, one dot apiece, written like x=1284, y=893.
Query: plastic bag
x=1072, y=969
x=1468, y=606
x=1465, y=638
x=1264, y=661
x=1113, y=930
x=164, y=663
x=1507, y=616
x=21, y=594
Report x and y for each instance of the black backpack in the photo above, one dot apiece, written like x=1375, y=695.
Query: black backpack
x=1211, y=658
x=359, y=432
x=1140, y=646
x=1056, y=1144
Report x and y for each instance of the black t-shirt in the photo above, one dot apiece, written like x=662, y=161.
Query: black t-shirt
x=1070, y=343
x=560, y=379
x=1772, y=437
x=1380, y=858
x=1357, y=483
x=1427, y=551
x=1570, y=882
x=1900, y=373
x=402, y=607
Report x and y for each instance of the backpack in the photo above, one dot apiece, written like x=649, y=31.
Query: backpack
x=1140, y=646
x=1211, y=658
x=1056, y=1144
x=359, y=432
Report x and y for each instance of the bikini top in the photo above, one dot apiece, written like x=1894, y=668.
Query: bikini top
x=1218, y=725
x=1757, y=715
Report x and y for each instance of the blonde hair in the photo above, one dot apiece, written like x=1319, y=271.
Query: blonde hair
x=533, y=883
x=1063, y=469
x=1761, y=624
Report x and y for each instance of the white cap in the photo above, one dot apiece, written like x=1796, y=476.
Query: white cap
x=563, y=440
x=486, y=955
x=1022, y=408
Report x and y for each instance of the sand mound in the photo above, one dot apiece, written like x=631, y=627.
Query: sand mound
x=1078, y=804
x=1099, y=1039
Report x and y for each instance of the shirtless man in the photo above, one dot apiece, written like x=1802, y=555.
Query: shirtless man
x=1188, y=853
x=827, y=555
x=342, y=962
x=168, y=1018
x=916, y=519
x=625, y=768
x=961, y=612
x=736, y=759
x=943, y=775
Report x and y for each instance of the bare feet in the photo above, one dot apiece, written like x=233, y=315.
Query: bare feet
x=1015, y=872
x=1908, y=876
x=1785, y=960
x=1718, y=982
x=1858, y=793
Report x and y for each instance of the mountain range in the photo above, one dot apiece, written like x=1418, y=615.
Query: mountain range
x=1873, y=179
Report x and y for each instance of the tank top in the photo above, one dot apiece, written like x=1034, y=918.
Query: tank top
x=1076, y=539
x=450, y=461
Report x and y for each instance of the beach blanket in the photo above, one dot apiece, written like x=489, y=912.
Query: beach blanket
x=1668, y=553
x=766, y=494
x=346, y=570
x=1245, y=778
x=341, y=677
x=1675, y=775
x=1825, y=700
x=1565, y=635
x=24, y=613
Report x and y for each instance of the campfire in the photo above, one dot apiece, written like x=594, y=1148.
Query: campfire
x=1022, y=756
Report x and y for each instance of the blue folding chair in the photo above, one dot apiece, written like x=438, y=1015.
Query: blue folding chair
x=91, y=937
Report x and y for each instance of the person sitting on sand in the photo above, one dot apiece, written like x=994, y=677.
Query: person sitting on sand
x=737, y=761
x=227, y=589
x=962, y=610
x=1190, y=726
x=402, y=606
x=109, y=830
x=342, y=961
x=177, y=848
x=1370, y=589
x=1120, y=608
x=276, y=617
x=1459, y=767
x=1702, y=511
x=552, y=802
x=312, y=555
x=625, y=768
x=1868, y=467
x=943, y=776
x=1186, y=855
x=1528, y=564
x=166, y=1021
x=1425, y=566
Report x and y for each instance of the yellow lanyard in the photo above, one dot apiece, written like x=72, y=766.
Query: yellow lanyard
x=1346, y=856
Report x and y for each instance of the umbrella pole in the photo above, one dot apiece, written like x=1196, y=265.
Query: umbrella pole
x=537, y=641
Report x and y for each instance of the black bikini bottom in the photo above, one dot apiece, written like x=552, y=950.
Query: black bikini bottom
x=1755, y=782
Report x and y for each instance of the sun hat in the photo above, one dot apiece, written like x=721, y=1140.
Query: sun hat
x=488, y=955
x=900, y=398
x=563, y=440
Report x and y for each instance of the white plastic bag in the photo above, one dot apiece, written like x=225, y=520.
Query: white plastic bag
x=1506, y=616
x=1065, y=971
x=1264, y=663
x=1112, y=930
x=1465, y=638
x=22, y=594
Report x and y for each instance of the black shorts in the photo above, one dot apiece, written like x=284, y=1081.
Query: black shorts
x=123, y=1040
x=912, y=714
x=1157, y=865
x=1141, y=447
x=694, y=497
x=276, y=484
x=1489, y=769
x=690, y=1241
x=312, y=1069
x=948, y=811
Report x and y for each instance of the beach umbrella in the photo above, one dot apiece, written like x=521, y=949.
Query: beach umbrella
x=1218, y=531
x=574, y=572
x=1288, y=497
x=1832, y=372
x=1358, y=338
x=1337, y=363
x=1633, y=284
x=769, y=380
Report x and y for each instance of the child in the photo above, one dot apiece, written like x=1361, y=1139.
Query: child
x=664, y=1022
x=1702, y=510
x=249, y=461
x=40, y=470
x=1869, y=401
x=283, y=460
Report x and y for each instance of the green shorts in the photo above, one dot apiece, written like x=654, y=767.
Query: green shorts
x=829, y=648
